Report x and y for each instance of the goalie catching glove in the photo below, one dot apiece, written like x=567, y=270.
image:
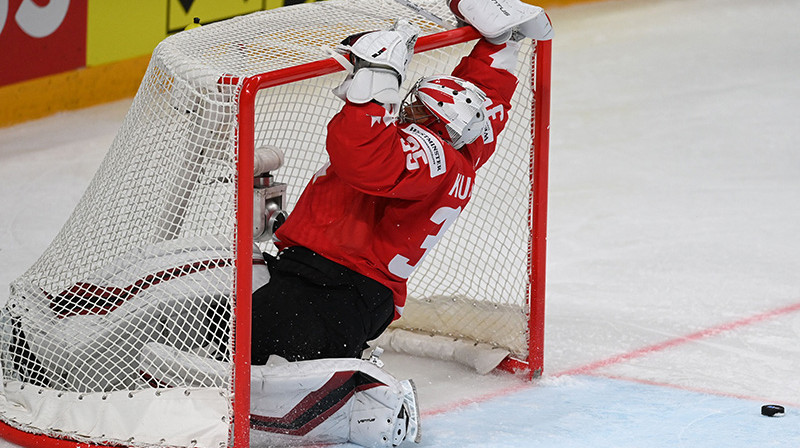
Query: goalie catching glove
x=501, y=20
x=379, y=60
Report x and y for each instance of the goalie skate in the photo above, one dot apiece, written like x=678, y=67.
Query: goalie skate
x=413, y=429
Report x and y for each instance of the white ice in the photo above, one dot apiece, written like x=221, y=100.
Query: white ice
x=673, y=300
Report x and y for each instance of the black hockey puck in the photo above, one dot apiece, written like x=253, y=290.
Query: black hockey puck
x=772, y=410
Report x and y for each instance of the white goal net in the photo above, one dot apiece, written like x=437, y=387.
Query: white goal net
x=157, y=254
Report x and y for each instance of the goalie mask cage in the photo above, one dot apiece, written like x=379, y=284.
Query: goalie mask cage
x=157, y=254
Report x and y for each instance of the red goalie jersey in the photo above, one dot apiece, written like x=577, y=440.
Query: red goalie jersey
x=391, y=190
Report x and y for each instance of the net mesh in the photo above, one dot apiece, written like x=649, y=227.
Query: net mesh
x=142, y=274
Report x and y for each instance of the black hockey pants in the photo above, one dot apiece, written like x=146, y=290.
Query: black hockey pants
x=315, y=308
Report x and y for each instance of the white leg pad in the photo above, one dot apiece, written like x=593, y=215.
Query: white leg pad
x=328, y=401
x=306, y=402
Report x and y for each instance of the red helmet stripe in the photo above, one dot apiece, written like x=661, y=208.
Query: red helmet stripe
x=449, y=83
x=437, y=95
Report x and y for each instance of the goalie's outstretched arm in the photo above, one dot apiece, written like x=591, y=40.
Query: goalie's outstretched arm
x=363, y=142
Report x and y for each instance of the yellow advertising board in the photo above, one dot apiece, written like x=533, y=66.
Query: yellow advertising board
x=181, y=12
x=121, y=29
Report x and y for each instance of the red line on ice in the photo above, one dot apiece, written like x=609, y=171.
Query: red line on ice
x=480, y=399
x=695, y=389
x=591, y=367
x=703, y=334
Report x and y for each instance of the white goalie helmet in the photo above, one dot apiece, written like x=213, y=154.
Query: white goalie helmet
x=456, y=103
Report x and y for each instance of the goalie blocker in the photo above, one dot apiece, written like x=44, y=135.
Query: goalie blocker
x=501, y=20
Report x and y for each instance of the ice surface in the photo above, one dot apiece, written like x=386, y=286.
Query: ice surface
x=673, y=295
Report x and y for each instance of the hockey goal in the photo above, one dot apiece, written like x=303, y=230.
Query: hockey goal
x=158, y=251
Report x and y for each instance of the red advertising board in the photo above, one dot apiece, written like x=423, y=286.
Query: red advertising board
x=41, y=37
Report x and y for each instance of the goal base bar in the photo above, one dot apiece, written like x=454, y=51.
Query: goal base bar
x=26, y=439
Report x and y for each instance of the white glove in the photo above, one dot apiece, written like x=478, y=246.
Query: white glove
x=380, y=60
x=501, y=20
